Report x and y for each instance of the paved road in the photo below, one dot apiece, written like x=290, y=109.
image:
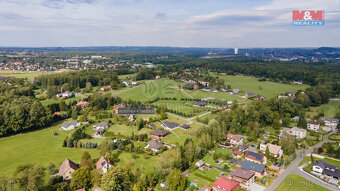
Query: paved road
x=293, y=169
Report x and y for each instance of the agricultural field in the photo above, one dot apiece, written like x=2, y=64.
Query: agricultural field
x=181, y=106
x=26, y=74
x=152, y=90
x=294, y=182
x=329, y=109
x=266, y=89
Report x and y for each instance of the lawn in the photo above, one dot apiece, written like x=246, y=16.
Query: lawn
x=307, y=159
x=334, y=137
x=152, y=90
x=329, y=109
x=294, y=182
x=38, y=147
x=266, y=89
x=181, y=106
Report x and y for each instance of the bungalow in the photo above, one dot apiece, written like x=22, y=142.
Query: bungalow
x=199, y=163
x=332, y=122
x=69, y=125
x=313, y=125
x=155, y=145
x=256, y=157
x=258, y=169
x=103, y=165
x=66, y=94
x=235, y=140
x=67, y=168
x=157, y=134
x=250, y=95
x=126, y=83
x=275, y=150
x=324, y=168
x=245, y=177
x=200, y=104
x=184, y=126
x=105, y=88
x=237, y=154
x=101, y=125
x=224, y=184
x=170, y=125
x=236, y=91
x=82, y=104
x=299, y=133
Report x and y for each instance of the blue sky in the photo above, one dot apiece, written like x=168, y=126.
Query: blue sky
x=183, y=23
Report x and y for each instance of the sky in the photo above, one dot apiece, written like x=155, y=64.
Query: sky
x=179, y=23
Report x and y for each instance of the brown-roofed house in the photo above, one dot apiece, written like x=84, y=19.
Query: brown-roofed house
x=237, y=154
x=275, y=150
x=82, y=104
x=157, y=134
x=244, y=177
x=103, y=165
x=67, y=168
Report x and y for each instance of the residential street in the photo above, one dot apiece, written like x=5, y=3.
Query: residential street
x=293, y=169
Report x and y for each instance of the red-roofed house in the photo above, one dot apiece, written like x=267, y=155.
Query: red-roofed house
x=237, y=154
x=105, y=88
x=82, y=104
x=67, y=168
x=224, y=184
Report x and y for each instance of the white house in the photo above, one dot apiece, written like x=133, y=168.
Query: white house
x=101, y=125
x=65, y=94
x=154, y=145
x=236, y=140
x=275, y=150
x=313, y=125
x=69, y=125
x=199, y=163
x=296, y=132
x=331, y=122
x=126, y=83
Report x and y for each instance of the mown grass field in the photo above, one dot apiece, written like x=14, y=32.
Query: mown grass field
x=294, y=182
x=266, y=89
x=25, y=74
x=42, y=147
x=181, y=106
x=67, y=101
x=329, y=109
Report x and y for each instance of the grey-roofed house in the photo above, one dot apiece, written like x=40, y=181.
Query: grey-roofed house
x=200, y=104
x=256, y=157
x=170, y=125
x=322, y=167
x=101, y=125
x=332, y=122
x=235, y=162
x=199, y=163
x=158, y=133
x=69, y=125
x=151, y=125
x=184, y=126
x=243, y=148
x=154, y=145
x=258, y=169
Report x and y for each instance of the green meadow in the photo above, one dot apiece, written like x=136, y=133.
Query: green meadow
x=294, y=182
x=329, y=109
x=266, y=89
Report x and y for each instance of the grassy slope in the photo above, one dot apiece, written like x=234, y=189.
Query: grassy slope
x=329, y=109
x=295, y=182
x=251, y=84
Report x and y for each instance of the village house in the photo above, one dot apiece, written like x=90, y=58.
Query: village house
x=82, y=104
x=66, y=169
x=224, y=89
x=244, y=177
x=206, y=89
x=236, y=162
x=105, y=88
x=200, y=104
x=322, y=167
x=184, y=126
x=250, y=95
x=275, y=150
x=157, y=134
x=155, y=145
x=331, y=122
x=170, y=125
x=235, y=140
x=256, y=157
x=126, y=83
x=258, y=169
x=103, y=165
x=69, y=125
x=299, y=133
x=243, y=148
x=236, y=91
x=313, y=125
x=117, y=107
x=224, y=184
x=66, y=94
x=101, y=125
x=237, y=154
x=299, y=82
